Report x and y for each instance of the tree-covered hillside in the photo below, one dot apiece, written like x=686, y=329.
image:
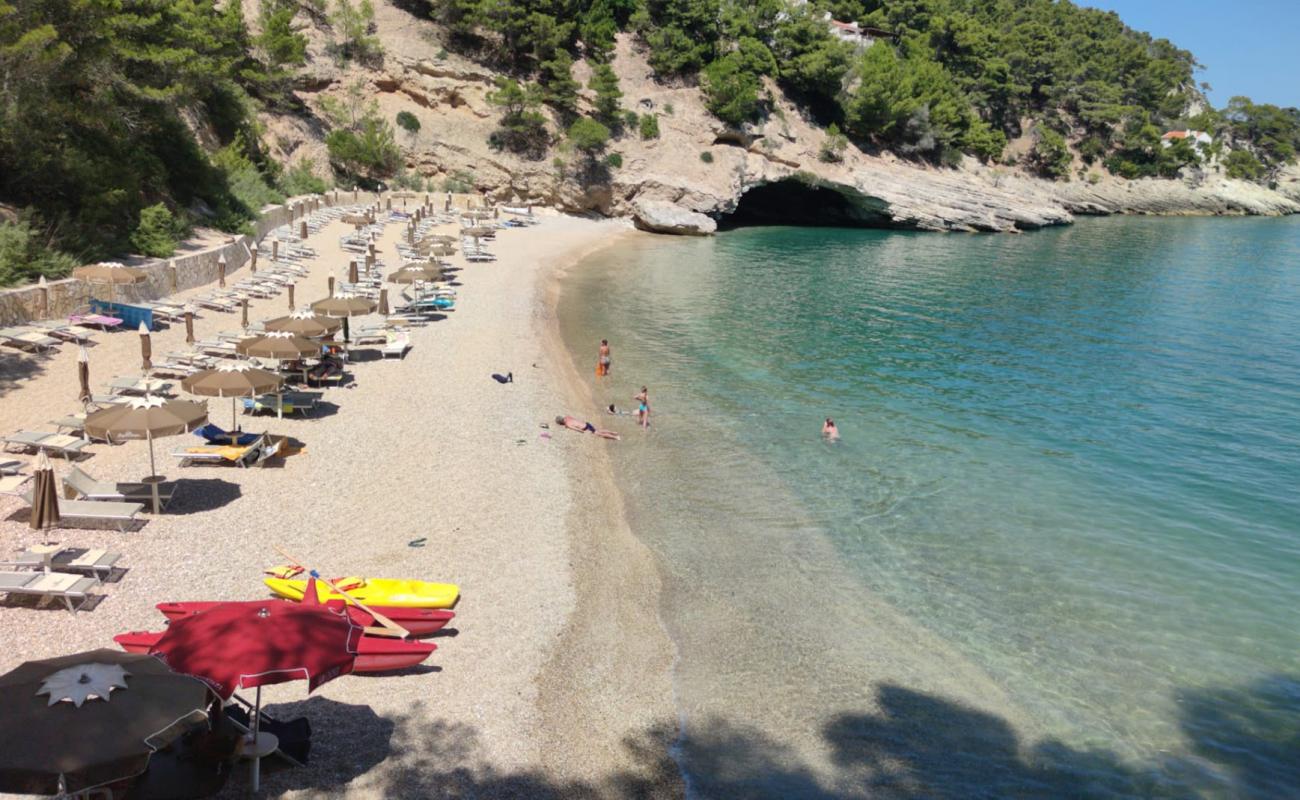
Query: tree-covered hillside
x=125, y=123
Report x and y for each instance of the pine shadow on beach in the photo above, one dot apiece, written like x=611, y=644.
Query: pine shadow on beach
x=16, y=368
x=1243, y=745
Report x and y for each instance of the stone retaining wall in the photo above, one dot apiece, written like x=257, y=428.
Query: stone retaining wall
x=67, y=296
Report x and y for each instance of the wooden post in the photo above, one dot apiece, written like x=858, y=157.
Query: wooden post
x=45, y=298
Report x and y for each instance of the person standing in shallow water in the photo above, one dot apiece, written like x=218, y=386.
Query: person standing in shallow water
x=643, y=407
x=603, y=359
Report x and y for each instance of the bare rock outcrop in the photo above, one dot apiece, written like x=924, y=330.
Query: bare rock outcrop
x=662, y=216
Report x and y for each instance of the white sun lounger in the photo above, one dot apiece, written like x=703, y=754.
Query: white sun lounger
x=397, y=348
x=58, y=443
x=99, y=563
x=85, y=487
x=61, y=330
x=49, y=586
x=28, y=339
x=120, y=514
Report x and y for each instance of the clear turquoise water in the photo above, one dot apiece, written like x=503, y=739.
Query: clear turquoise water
x=1057, y=552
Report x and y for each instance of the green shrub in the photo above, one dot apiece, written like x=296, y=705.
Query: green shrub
x=353, y=25
x=156, y=234
x=668, y=109
x=609, y=97
x=706, y=156
x=26, y=256
x=367, y=153
x=1243, y=165
x=408, y=122
x=731, y=89
x=649, y=126
x=833, y=146
x=1049, y=156
x=588, y=136
x=522, y=128
x=459, y=182
x=301, y=178
x=247, y=185
x=614, y=160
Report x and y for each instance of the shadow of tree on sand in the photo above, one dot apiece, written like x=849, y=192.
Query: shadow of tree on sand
x=1243, y=744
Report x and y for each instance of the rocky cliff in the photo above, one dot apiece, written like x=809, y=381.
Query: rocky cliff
x=668, y=184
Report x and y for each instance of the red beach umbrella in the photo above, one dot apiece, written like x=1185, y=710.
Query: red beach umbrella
x=244, y=645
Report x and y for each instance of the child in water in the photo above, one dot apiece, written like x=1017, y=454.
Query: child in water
x=829, y=430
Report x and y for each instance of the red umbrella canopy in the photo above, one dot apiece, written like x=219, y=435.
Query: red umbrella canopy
x=260, y=642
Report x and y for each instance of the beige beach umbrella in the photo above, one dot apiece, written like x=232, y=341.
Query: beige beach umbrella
x=110, y=274
x=221, y=271
x=45, y=495
x=344, y=306
x=83, y=375
x=278, y=346
x=146, y=349
x=330, y=285
x=147, y=418
x=355, y=219
x=291, y=304
x=383, y=302
x=415, y=273
x=234, y=380
x=352, y=273
x=305, y=323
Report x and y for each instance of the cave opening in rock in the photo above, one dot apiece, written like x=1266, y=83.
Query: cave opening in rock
x=795, y=202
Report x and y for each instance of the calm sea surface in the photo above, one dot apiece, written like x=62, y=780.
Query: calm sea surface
x=1057, y=551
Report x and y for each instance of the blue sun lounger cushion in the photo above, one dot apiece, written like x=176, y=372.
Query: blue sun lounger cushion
x=216, y=435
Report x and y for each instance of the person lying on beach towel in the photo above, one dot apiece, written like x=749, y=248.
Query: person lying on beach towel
x=574, y=424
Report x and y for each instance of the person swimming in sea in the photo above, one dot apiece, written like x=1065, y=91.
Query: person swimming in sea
x=829, y=430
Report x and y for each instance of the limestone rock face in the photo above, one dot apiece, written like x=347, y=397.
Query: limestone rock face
x=661, y=216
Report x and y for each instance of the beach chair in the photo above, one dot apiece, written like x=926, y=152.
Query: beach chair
x=287, y=403
x=216, y=303
x=49, y=586
x=28, y=339
x=10, y=466
x=60, y=330
x=397, y=348
x=119, y=514
x=100, y=321
x=57, y=443
x=78, y=484
x=75, y=423
x=137, y=386
x=13, y=484
x=250, y=455
x=213, y=434
x=53, y=558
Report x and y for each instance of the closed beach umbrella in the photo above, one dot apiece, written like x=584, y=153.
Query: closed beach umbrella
x=189, y=326
x=221, y=271
x=110, y=274
x=84, y=720
x=147, y=418
x=305, y=323
x=146, y=349
x=383, y=302
x=246, y=645
x=331, y=285
x=291, y=297
x=352, y=272
x=344, y=306
x=83, y=375
x=243, y=313
x=234, y=380
x=45, y=495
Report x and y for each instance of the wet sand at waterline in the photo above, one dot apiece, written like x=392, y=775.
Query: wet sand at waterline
x=558, y=663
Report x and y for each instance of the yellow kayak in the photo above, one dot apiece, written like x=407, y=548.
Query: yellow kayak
x=374, y=591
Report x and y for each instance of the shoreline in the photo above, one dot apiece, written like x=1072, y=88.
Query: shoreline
x=615, y=638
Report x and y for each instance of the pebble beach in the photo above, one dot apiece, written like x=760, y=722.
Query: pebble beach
x=555, y=678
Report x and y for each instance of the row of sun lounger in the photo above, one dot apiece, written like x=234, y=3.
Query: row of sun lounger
x=56, y=573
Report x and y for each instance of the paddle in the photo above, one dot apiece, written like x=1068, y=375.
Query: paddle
x=390, y=628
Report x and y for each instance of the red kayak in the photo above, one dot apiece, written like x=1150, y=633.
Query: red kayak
x=419, y=621
x=374, y=653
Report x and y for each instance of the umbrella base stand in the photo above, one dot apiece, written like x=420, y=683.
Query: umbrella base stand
x=153, y=481
x=258, y=746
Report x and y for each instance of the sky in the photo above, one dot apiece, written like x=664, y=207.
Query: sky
x=1249, y=47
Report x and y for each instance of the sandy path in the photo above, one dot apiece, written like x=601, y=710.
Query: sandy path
x=426, y=447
